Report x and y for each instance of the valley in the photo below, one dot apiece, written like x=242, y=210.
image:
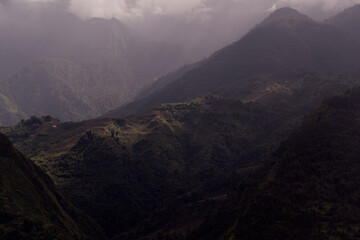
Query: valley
x=257, y=141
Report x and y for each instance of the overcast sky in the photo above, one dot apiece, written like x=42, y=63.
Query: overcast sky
x=130, y=10
x=200, y=26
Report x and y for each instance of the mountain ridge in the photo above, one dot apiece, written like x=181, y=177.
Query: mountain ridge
x=158, y=173
x=277, y=50
x=175, y=150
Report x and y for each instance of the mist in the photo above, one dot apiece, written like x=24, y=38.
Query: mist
x=200, y=27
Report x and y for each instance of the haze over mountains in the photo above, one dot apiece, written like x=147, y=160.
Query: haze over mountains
x=284, y=44
x=171, y=172
x=116, y=60
x=82, y=67
x=227, y=148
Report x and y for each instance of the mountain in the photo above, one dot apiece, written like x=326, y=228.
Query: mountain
x=111, y=61
x=52, y=86
x=311, y=183
x=31, y=207
x=285, y=13
x=9, y=111
x=121, y=172
x=163, y=173
x=348, y=22
x=283, y=45
x=128, y=174
x=308, y=189
x=158, y=173
x=165, y=80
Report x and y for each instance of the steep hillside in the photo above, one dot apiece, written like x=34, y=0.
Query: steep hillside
x=285, y=44
x=31, y=207
x=309, y=189
x=348, y=22
x=122, y=63
x=165, y=80
x=157, y=174
x=52, y=86
x=124, y=171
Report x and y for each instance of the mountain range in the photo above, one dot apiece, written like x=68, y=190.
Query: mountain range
x=105, y=62
x=173, y=154
x=268, y=57
x=226, y=148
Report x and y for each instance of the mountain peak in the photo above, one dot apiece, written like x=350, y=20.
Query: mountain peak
x=285, y=13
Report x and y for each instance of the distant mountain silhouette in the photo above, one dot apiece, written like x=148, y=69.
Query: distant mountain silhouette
x=284, y=44
x=116, y=60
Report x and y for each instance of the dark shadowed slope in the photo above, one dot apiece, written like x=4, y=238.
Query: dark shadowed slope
x=31, y=207
x=154, y=175
x=285, y=44
x=310, y=188
x=124, y=171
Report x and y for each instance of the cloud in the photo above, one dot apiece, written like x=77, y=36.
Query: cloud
x=133, y=9
x=128, y=10
x=199, y=26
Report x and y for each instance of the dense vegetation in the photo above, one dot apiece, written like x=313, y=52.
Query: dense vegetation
x=120, y=171
x=309, y=189
x=124, y=171
x=170, y=172
x=31, y=207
